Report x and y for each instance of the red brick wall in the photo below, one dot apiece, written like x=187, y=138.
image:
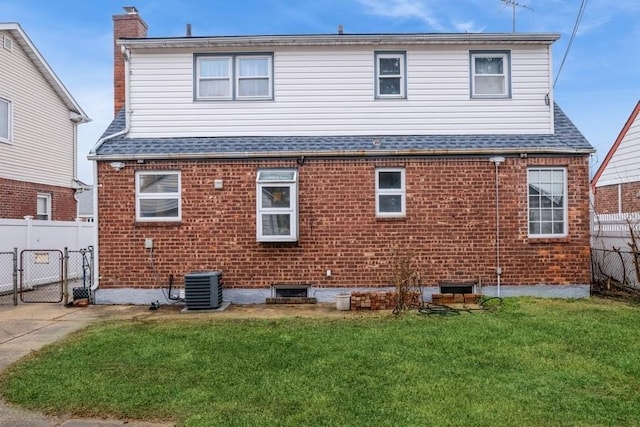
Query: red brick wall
x=631, y=197
x=606, y=198
x=19, y=198
x=450, y=225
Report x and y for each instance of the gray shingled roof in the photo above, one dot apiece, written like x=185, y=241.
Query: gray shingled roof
x=566, y=139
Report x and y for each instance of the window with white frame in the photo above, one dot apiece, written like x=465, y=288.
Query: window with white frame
x=277, y=205
x=43, y=206
x=390, y=75
x=390, y=192
x=5, y=120
x=490, y=75
x=158, y=196
x=228, y=77
x=547, y=202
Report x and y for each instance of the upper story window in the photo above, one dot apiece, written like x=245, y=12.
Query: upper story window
x=234, y=76
x=158, y=196
x=490, y=75
x=5, y=120
x=390, y=192
x=390, y=75
x=43, y=206
x=277, y=205
x=547, y=202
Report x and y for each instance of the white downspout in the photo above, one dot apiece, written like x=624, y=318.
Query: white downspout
x=96, y=186
x=497, y=161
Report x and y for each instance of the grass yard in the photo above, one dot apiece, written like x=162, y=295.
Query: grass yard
x=533, y=362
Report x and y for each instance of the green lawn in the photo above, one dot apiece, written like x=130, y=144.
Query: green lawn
x=533, y=362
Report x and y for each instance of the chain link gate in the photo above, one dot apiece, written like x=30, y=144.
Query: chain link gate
x=79, y=273
x=41, y=275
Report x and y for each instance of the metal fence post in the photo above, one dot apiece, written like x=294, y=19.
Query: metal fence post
x=65, y=276
x=15, y=276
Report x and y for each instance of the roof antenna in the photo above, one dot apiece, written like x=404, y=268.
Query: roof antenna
x=513, y=4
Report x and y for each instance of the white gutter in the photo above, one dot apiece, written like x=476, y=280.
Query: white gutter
x=96, y=185
x=334, y=153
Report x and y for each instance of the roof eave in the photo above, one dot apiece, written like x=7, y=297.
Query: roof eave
x=341, y=40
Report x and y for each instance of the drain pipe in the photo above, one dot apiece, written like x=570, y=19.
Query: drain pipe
x=497, y=161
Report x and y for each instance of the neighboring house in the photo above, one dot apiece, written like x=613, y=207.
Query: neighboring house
x=616, y=184
x=38, y=121
x=316, y=159
x=85, y=204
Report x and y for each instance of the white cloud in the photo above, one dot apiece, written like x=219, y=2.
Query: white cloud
x=403, y=9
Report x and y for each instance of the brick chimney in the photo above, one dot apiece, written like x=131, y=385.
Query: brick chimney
x=129, y=25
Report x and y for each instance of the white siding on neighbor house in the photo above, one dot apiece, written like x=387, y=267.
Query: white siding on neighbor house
x=42, y=148
x=624, y=165
x=330, y=91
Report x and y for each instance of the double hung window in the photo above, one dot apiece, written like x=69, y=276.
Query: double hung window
x=43, y=206
x=490, y=75
x=390, y=192
x=547, y=202
x=277, y=205
x=229, y=77
x=158, y=196
x=390, y=75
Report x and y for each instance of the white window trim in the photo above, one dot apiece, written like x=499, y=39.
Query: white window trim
x=47, y=198
x=292, y=210
x=506, y=68
x=391, y=192
x=402, y=75
x=565, y=218
x=269, y=76
x=167, y=196
x=9, y=121
x=229, y=77
x=233, y=77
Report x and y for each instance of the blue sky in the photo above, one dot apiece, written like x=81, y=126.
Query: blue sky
x=598, y=87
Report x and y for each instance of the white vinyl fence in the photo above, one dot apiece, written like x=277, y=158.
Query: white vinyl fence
x=614, y=248
x=30, y=234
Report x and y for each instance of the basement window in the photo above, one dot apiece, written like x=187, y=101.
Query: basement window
x=277, y=205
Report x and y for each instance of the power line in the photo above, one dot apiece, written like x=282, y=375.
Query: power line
x=583, y=6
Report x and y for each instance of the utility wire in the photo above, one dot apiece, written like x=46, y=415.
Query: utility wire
x=583, y=6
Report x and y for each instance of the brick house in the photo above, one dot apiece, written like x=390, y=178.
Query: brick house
x=616, y=184
x=315, y=158
x=38, y=134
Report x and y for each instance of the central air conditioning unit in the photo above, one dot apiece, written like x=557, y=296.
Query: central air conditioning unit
x=203, y=290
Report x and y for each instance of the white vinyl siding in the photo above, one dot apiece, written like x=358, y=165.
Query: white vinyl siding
x=42, y=136
x=329, y=91
x=623, y=165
